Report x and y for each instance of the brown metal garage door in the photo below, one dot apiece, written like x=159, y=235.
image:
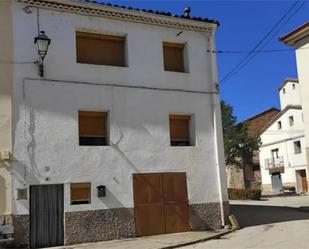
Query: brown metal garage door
x=160, y=203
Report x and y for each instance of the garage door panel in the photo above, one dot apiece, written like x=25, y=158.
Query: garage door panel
x=149, y=220
x=176, y=218
x=175, y=187
x=160, y=203
x=148, y=188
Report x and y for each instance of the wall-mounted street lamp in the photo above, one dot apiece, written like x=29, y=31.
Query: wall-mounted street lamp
x=42, y=43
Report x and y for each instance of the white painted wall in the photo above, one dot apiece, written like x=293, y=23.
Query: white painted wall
x=45, y=112
x=302, y=59
x=289, y=95
x=284, y=139
x=273, y=134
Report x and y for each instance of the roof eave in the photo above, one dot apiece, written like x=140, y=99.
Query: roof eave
x=296, y=35
x=287, y=80
x=88, y=8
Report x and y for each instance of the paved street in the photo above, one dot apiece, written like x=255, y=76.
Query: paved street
x=276, y=222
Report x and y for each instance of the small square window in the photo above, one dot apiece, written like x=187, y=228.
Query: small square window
x=22, y=194
x=293, y=86
x=279, y=124
x=283, y=90
x=297, y=147
x=80, y=193
x=291, y=120
x=173, y=55
x=92, y=128
x=180, y=130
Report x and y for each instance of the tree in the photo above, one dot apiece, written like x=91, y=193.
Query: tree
x=238, y=145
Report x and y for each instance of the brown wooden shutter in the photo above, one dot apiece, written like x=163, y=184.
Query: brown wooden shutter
x=100, y=49
x=80, y=191
x=173, y=57
x=179, y=127
x=92, y=124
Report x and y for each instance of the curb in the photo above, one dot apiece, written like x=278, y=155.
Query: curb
x=215, y=236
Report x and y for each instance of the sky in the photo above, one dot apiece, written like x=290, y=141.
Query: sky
x=243, y=24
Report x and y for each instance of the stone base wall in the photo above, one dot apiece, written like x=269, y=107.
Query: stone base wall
x=118, y=223
x=205, y=216
x=21, y=225
x=99, y=225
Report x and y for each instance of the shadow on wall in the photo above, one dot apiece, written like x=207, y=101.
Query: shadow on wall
x=252, y=215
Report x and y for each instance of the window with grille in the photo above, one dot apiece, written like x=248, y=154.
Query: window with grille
x=93, y=128
x=100, y=49
x=173, y=55
x=80, y=193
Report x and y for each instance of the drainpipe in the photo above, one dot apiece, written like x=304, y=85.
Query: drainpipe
x=218, y=132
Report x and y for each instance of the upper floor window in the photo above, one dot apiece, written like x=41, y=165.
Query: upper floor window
x=279, y=124
x=173, y=55
x=100, y=49
x=181, y=130
x=297, y=147
x=293, y=86
x=92, y=128
x=275, y=153
x=291, y=120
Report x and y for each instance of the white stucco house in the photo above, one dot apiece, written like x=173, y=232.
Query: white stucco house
x=117, y=133
x=282, y=154
x=299, y=39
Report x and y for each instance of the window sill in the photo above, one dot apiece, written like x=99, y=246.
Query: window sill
x=101, y=65
x=184, y=73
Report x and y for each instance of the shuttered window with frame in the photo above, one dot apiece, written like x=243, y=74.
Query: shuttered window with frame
x=99, y=49
x=173, y=57
x=92, y=128
x=80, y=193
x=179, y=130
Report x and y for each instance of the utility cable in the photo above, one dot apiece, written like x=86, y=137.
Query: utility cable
x=248, y=51
x=252, y=53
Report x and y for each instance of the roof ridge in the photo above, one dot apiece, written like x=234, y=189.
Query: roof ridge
x=158, y=12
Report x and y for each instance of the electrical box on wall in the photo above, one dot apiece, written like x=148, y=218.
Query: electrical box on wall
x=101, y=191
x=5, y=155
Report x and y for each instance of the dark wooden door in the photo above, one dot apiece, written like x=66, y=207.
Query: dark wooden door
x=304, y=180
x=46, y=216
x=160, y=203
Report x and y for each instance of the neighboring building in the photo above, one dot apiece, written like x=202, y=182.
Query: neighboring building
x=122, y=136
x=249, y=176
x=299, y=39
x=282, y=154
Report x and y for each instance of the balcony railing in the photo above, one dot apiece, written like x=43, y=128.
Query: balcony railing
x=273, y=163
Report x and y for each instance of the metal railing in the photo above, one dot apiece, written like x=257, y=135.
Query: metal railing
x=273, y=163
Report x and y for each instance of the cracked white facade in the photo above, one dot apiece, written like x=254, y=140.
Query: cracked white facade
x=138, y=99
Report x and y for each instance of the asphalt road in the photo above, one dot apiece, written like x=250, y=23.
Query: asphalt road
x=273, y=223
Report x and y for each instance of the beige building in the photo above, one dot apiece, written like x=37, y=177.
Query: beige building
x=299, y=39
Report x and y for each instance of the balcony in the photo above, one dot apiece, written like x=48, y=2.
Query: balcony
x=274, y=163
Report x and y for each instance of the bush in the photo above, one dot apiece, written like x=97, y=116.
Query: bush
x=242, y=194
